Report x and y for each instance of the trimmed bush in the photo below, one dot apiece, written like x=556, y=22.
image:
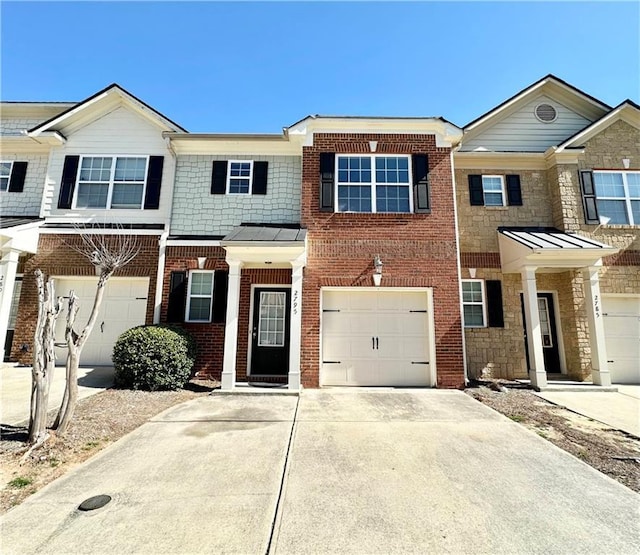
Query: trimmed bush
x=154, y=358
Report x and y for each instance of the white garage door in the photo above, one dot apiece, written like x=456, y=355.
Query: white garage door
x=622, y=337
x=376, y=337
x=124, y=306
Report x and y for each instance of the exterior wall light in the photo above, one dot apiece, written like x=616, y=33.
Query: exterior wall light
x=377, y=276
x=626, y=162
x=202, y=260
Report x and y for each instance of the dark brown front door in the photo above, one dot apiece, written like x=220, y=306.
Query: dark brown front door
x=550, y=347
x=270, y=332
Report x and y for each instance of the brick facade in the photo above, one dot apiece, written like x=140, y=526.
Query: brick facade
x=418, y=250
x=57, y=257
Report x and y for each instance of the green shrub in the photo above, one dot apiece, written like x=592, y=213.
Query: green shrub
x=154, y=358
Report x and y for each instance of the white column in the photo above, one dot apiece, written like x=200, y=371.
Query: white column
x=593, y=303
x=295, y=343
x=537, y=371
x=8, y=269
x=231, y=328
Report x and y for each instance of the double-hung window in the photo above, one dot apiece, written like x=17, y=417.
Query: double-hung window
x=473, y=302
x=493, y=190
x=5, y=174
x=618, y=196
x=373, y=184
x=200, y=296
x=111, y=182
x=239, y=177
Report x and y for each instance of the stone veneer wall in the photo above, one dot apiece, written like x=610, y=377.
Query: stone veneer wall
x=218, y=214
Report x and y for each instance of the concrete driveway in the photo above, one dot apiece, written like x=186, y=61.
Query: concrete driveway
x=15, y=389
x=333, y=471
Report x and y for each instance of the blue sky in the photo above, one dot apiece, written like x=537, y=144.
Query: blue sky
x=256, y=67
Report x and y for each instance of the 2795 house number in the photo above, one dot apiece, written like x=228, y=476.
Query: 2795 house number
x=294, y=302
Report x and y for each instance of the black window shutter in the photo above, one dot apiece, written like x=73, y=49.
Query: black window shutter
x=589, y=197
x=475, y=190
x=68, y=181
x=220, y=286
x=421, y=200
x=177, y=297
x=260, y=171
x=494, y=303
x=327, y=180
x=514, y=192
x=154, y=182
x=219, y=177
x=18, y=173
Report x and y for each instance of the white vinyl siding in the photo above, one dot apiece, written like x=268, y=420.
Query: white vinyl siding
x=521, y=131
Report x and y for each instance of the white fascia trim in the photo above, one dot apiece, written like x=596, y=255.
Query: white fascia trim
x=193, y=243
x=82, y=105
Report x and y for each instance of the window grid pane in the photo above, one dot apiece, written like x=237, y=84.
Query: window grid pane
x=492, y=190
x=200, y=296
x=271, y=332
x=92, y=195
x=473, y=306
x=5, y=173
x=240, y=177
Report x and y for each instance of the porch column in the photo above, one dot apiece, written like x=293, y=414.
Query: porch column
x=593, y=303
x=231, y=327
x=295, y=343
x=8, y=269
x=537, y=371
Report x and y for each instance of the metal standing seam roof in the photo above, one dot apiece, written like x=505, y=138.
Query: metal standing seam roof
x=7, y=222
x=550, y=238
x=266, y=234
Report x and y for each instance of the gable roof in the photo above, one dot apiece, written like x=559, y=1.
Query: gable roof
x=113, y=90
x=627, y=110
x=549, y=84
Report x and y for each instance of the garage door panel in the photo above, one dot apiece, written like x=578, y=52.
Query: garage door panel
x=622, y=337
x=397, y=319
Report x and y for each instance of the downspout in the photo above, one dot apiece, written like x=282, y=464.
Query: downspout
x=162, y=241
x=455, y=214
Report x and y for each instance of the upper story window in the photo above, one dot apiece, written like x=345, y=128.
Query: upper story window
x=493, y=190
x=5, y=174
x=373, y=184
x=111, y=182
x=473, y=302
x=239, y=177
x=618, y=196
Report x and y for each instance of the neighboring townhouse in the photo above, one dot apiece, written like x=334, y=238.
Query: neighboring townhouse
x=23, y=169
x=323, y=256
x=548, y=197
x=107, y=171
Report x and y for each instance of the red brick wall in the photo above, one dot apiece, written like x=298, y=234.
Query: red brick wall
x=418, y=250
x=210, y=336
x=57, y=257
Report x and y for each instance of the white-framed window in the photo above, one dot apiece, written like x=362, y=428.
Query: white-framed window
x=618, y=196
x=474, y=303
x=493, y=190
x=239, y=177
x=375, y=183
x=199, y=296
x=5, y=175
x=111, y=182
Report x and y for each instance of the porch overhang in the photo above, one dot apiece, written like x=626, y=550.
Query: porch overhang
x=548, y=250
x=266, y=246
x=19, y=234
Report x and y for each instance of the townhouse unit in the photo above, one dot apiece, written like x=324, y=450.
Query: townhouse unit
x=346, y=251
x=548, y=196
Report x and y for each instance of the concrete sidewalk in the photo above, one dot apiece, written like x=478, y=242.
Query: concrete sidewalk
x=387, y=471
x=620, y=410
x=15, y=389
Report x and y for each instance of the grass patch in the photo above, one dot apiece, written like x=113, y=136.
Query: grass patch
x=517, y=418
x=20, y=482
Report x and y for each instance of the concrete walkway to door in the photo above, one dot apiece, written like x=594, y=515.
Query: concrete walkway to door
x=333, y=471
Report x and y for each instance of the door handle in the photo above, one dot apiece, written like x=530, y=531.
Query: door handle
x=373, y=342
x=377, y=346
x=255, y=332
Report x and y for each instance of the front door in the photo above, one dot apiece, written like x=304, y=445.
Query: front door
x=270, y=332
x=550, y=347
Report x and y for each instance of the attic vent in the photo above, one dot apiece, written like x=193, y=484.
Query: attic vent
x=546, y=113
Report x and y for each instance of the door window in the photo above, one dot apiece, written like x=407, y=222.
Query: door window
x=272, y=319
